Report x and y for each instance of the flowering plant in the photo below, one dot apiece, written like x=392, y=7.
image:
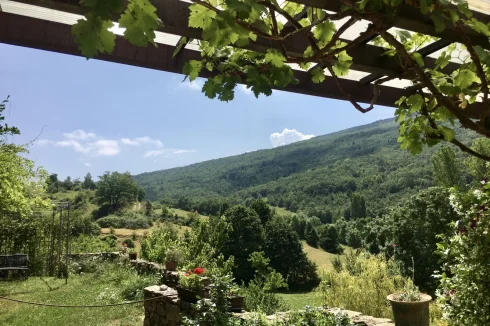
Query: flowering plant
x=192, y=280
x=465, y=288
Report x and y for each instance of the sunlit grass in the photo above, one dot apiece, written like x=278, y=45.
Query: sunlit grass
x=81, y=290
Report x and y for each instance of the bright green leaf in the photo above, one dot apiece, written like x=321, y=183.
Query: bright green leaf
x=192, y=69
x=141, y=21
x=275, y=58
x=317, y=75
x=323, y=32
x=93, y=36
x=200, y=16
x=465, y=78
x=418, y=58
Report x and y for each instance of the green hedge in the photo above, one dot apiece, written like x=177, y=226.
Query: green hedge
x=124, y=222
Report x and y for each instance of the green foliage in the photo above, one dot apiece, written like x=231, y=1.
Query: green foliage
x=447, y=170
x=22, y=185
x=93, y=36
x=87, y=243
x=133, y=222
x=362, y=284
x=357, y=206
x=416, y=225
x=88, y=183
x=478, y=168
x=311, y=236
x=191, y=281
x=317, y=317
x=285, y=253
x=329, y=239
x=117, y=190
x=245, y=237
x=259, y=295
x=140, y=21
x=464, y=287
x=155, y=246
x=262, y=209
x=129, y=243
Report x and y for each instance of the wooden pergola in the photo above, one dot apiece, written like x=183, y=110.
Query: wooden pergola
x=46, y=25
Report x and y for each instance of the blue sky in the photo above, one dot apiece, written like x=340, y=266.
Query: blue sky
x=99, y=116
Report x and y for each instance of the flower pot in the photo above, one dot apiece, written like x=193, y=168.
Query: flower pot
x=414, y=313
x=133, y=255
x=237, y=302
x=191, y=296
x=170, y=265
x=205, y=281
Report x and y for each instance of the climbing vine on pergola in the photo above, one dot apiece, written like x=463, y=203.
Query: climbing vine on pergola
x=443, y=90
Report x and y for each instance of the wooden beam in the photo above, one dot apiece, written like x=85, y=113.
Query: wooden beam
x=56, y=37
x=410, y=18
x=175, y=13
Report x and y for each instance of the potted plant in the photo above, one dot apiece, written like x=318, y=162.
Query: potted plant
x=237, y=301
x=133, y=254
x=172, y=259
x=191, y=287
x=410, y=308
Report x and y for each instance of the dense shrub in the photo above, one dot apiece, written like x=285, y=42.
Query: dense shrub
x=129, y=243
x=465, y=281
x=155, y=246
x=84, y=225
x=362, y=284
x=86, y=243
x=125, y=222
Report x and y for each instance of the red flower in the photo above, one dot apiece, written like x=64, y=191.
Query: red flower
x=199, y=270
x=186, y=274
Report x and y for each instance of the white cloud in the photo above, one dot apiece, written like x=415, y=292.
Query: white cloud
x=102, y=147
x=168, y=150
x=87, y=164
x=77, y=146
x=80, y=135
x=183, y=151
x=44, y=142
x=141, y=140
x=288, y=136
x=105, y=147
x=154, y=153
x=245, y=90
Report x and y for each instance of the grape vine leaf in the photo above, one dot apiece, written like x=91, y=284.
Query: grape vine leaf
x=465, y=78
x=200, y=16
x=274, y=57
x=141, y=21
x=418, y=58
x=192, y=68
x=324, y=31
x=103, y=8
x=317, y=75
x=93, y=36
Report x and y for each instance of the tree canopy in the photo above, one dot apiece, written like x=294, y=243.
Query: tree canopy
x=426, y=115
x=117, y=190
x=21, y=183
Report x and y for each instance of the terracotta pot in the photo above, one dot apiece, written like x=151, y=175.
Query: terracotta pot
x=191, y=296
x=237, y=302
x=170, y=265
x=133, y=255
x=414, y=313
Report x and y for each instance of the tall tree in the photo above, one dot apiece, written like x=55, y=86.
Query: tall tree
x=262, y=209
x=283, y=248
x=88, y=183
x=446, y=169
x=22, y=185
x=357, y=206
x=246, y=236
x=477, y=167
x=311, y=236
x=116, y=189
x=328, y=239
x=68, y=184
x=148, y=208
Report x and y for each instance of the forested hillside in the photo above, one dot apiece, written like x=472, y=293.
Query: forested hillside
x=310, y=175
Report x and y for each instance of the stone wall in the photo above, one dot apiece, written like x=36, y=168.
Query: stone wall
x=168, y=309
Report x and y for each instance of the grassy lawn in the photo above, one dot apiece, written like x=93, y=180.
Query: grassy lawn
x=298, y=300
x=320, y=257
x=87, y=289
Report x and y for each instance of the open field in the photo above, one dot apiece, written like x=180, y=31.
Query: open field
x=88, y=289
